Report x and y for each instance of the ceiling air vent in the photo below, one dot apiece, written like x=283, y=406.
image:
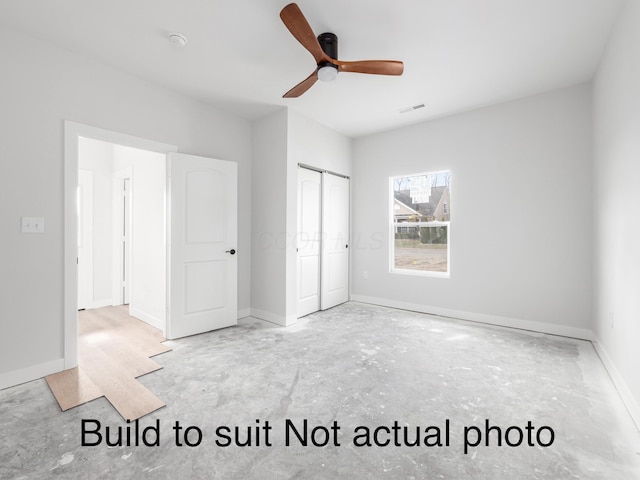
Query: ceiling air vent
x=411, y=109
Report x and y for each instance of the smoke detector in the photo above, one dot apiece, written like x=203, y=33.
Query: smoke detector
x=177, y=40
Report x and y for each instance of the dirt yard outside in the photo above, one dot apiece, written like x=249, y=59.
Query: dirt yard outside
x=413, y=255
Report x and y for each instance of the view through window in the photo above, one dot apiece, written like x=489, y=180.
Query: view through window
x=421, y=211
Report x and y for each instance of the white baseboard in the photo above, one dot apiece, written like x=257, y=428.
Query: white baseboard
x=553, y=329
x=274, y=318
x=632, y=404
x=623, y=389
x=145, y=317
x=24, y=375
x=245, y=312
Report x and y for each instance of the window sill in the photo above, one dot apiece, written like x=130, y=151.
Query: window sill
x=420, y=273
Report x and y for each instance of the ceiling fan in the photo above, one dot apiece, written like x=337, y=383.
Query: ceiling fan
x=324, y=49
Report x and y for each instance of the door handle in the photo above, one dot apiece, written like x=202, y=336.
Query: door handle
x=232, y=251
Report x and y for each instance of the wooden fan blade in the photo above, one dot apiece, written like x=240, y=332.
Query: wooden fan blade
x=294, y=20
x=377, y=67
x=303, y=86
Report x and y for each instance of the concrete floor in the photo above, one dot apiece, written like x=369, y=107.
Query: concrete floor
x=353, y=366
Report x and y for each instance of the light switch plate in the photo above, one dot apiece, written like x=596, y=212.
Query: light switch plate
x=32, y=225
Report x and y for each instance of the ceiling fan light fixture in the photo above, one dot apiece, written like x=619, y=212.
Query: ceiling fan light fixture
x=327, y=73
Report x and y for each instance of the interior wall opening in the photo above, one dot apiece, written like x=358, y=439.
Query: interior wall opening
x=121, y=225
x=114, y=161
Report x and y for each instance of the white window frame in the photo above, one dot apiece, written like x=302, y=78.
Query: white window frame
x=393, y=225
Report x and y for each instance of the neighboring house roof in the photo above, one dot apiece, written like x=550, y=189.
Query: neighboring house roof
x=402, y=210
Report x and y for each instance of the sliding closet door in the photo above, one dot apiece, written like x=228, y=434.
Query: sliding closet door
x=335, y=246
x=308, y=241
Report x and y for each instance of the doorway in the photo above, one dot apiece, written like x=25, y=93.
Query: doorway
x=197, y=244
x=104, y=292
x=123, y=231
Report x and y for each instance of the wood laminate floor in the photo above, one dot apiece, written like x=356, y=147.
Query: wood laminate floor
x=113, y=351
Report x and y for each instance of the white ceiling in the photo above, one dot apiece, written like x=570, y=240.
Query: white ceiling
x=458, y=54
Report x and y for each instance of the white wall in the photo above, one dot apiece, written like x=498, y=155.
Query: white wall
x=98, y=157
x=148, y=292
x=269, y=228
x=312, y=144
x=42, y=86
x=520, y=213
x=616, y=205
x=281, y=141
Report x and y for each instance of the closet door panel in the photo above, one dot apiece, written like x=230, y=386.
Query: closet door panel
x=308, y=241
x=335, y=246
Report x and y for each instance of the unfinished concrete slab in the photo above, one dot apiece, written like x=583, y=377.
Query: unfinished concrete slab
x=354, y=374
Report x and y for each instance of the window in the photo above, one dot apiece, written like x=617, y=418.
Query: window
x=420, y=223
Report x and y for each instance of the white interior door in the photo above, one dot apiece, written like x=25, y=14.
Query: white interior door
x=335, y=245
x=85, y=238
x=121, y=236
x=202, y=235
x=308, y=240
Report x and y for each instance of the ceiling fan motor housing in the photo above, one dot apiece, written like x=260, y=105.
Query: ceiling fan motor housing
x=329, y=44
x=328, y=71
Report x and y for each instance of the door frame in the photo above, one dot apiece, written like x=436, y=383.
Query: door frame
x=72, y=132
